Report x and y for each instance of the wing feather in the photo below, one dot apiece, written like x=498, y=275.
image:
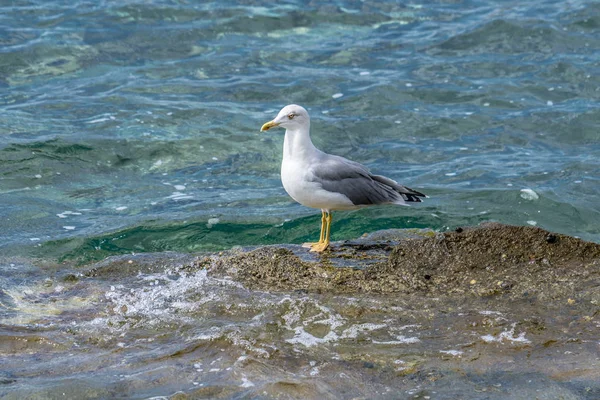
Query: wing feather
x=353, y=180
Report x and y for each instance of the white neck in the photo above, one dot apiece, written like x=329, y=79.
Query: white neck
x=297, y=143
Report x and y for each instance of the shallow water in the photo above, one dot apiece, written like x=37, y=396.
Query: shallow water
x=147, y=325
x=132, y=127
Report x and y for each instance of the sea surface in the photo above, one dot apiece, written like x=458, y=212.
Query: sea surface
x=130, y=127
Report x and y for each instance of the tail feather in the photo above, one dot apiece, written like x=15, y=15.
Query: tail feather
x=408, y=194
x=412, y=197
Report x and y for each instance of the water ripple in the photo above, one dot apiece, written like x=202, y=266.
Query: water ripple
x=462, y=100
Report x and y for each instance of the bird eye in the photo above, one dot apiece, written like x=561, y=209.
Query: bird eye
x=291, y=115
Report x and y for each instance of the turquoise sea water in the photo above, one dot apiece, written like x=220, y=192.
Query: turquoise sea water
x=125, y=127
x=133, y=126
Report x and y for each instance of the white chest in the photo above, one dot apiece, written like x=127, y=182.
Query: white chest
x=297, y=176
x=298, y=182
x=295, y=180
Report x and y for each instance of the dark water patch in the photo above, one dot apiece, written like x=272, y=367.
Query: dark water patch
x=564, y=128
x=303, y=18
x=44, y=62
x=592, y=23
x=181, y=237
x=586, y=17
x=509, y=37
x=203, y=236
x=479, y=69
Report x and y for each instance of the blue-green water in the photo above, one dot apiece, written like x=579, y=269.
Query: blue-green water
x=126, y=127
x=133, y=126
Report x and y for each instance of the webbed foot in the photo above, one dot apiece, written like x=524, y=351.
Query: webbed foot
x=320, y=247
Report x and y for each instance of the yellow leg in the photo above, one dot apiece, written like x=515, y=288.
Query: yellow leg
x=323, y=245
x=322, y=235
x=323, y=222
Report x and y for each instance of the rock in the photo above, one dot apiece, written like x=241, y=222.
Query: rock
x=488, y=260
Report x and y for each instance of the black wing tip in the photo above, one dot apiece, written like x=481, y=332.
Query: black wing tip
x=413, y=196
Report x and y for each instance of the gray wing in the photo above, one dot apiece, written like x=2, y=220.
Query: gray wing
x=337, y=174
x=407, y=193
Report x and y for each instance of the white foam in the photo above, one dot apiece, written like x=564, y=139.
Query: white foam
x=69, y=228
x=179, y=187
x=166, y=300
x=121, y=208
x=337, y=95
x=296, y=316
x=507, y=335
x=529, y=194
x=532, y=222
x=237, y=339
x=409, y=327
x=399, y=340
x=353, y=331
x=64, y=214
x=179, y=196
x=365, y=73
x=95, y=121
x=299, y=322
x=455, y=353
x=246, y=383
x=307, y=340
x=486, y=312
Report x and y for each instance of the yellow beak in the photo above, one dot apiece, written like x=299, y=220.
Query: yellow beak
x=268, y=126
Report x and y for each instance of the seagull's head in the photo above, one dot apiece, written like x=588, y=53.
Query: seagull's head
x=291, y=117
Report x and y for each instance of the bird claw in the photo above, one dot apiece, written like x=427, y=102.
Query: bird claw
x=319, y=247
x=310, y=245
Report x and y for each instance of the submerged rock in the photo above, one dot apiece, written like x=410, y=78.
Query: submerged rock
x=488, y=260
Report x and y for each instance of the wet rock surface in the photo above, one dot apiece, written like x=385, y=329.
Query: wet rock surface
x=488, y=260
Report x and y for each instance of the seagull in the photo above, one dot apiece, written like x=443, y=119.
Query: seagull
x=328, y=182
